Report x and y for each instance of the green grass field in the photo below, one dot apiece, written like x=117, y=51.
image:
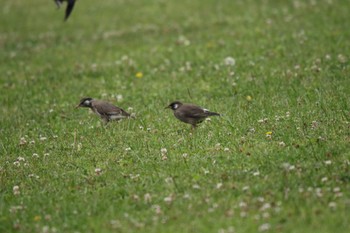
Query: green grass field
x=278, y=160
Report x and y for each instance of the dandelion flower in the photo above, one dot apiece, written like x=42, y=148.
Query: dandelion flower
x=139, y=75
x=248, y=98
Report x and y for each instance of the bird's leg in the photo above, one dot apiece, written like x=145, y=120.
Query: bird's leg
x=58, y=3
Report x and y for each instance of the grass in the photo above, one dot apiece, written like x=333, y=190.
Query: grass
x=61, y=170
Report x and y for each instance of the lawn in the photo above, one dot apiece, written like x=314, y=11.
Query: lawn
x=277, y=160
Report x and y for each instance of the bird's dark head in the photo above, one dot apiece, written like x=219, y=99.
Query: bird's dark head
x=174, y=105
x=85, y=102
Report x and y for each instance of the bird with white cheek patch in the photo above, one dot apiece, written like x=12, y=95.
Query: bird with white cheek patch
x=190, y=113
x=106, y=111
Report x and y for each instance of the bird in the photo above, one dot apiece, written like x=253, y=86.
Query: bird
x=190, y=113
x=69, y=9
x=106, y=111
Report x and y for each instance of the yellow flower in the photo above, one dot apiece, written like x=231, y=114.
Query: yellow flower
x=249, y=98
x=139, y=75
x=37, y=218
x=268, y=133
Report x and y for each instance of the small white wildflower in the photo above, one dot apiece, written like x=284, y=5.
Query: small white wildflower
x=35, y=155
x=229, y=61
x=164, y=157
x=119, y=97
x=242, y=204
x=332, y=205
x=164, y=151
x=336, y=190
x=157, y=209
x=245, y=188
x=256, y=173
x=17, y=164
x=169, y=199
x=186, y=196
x=185, y=155
x=282, y=144
x=98, y=171
x=342, y=58
x=243, y=214
x=130, y=109
x=265, y=215
x=22, y=141
x=141, y=127
x=55, y=136
x=324, y=179
x=219, y=185
x=196, y=186
x=264, y=227
x=21, y=159
x=328, y=162
x=15, y=190
x=261, y=121
x=128, y=149
x=42, y=138
x=168, y=180
x=226, y=149
x=217, y=146
x=265, y=207
x=147, y=198
x=46, y=154
x=32, y=142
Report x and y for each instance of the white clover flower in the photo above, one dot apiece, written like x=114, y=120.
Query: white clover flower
x=17, y=164
x=163, y=151
x=98, y=171
x=264, y=227
x=147, y=198
x=342, y=58
x=229, y=61
x=22, y=141
x=218, y=185
x=169, y=199
x=332, y=205
x=20, y=159
x=196, y=186
x=119, y=98
x=324, y=179
x=265, y=206
x=15, y=190
x=128, y=149
x=226, y=149
x=328, y=162
x=42, y=138
x=256, y=173
x=282, y=144
x=35, y=155
x=185, y=155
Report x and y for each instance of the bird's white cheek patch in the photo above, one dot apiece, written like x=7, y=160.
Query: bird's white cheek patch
x=176, y=106
x=205, y=110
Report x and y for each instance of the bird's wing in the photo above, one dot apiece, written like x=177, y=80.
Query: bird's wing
x=193, y=111
x=107, y=109
x=69, y=8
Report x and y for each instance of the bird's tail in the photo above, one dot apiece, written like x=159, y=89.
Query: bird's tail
x=213, y=114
